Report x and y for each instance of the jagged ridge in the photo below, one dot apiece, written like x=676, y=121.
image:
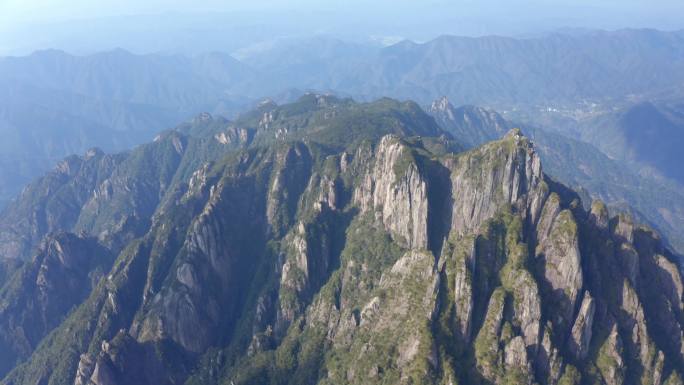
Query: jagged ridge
x=383, y=260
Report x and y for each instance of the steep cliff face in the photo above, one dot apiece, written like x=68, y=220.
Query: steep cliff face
x=110, y=197
x=42, y=292
x=395, y=188
x=381, y=259
x=52, y=203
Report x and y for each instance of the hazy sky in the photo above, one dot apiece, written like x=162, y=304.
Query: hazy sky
x=18, y=11
x=86, y=25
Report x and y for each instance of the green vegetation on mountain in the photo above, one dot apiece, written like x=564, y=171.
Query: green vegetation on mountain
x=333, y=242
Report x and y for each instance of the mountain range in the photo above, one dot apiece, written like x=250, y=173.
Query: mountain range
x=327, y=241
x=53, y=104
x=498, y=71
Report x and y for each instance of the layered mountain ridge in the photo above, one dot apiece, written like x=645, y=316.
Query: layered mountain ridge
x=332, y=242
x=53, y=104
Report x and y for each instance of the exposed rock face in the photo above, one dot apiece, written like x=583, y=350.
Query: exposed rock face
x=464, y=271
x=549, y=360
x=599, y=215
x=387, y=259
x=611, y=362
x=122, y=361
x=526, y=307
x=494, y=175
x=487, y=350
x=558, y=256
x=61, y=275
x=52, y=203
x=577, y=163
x=581, y=329
x=517, y=366
x=397, y=190
x=206, y=274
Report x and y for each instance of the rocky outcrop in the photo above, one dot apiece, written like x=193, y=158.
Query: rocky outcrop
x=559, y=262
x=609, y=361
x=487, y=351
x=507, y=172
x=291, y=176
x=526, y=307
x=640, y=346
x=549, y=361
x=464, y=271
x=42, y=292
x=582, y=328
x=123, y=361
x=516, y=364
x=395, y=187
x=52, y=203
x=204, y=289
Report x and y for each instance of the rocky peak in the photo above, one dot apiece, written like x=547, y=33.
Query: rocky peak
x=599, y=214
x=506, y=172
x=442, y=105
